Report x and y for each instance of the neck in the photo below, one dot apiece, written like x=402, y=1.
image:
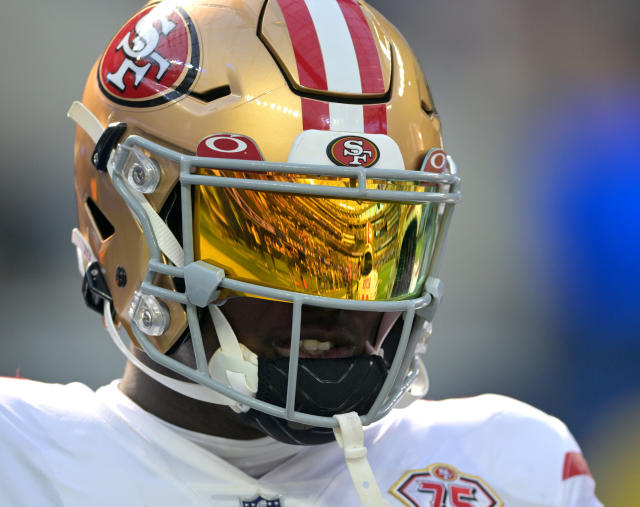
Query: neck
x=173, y=407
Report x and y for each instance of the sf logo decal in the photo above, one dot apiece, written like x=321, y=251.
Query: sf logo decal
x=152, y=60
x=353, y=151
x=142, y=47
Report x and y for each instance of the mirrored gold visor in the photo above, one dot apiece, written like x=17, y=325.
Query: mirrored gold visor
x=339, y=248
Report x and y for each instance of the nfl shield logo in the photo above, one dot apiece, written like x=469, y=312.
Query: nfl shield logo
x=260, y=501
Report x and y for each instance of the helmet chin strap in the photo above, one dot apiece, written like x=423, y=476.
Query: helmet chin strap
x=350, y=437
x=235, y=359
x=189, y=389
x=232, y=364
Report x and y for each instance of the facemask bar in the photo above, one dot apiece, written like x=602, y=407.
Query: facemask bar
x=416, y=311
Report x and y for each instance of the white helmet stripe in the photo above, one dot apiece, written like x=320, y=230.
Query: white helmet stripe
x=346, y=117
x=338, y=53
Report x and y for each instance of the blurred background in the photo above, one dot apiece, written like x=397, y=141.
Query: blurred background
x=541, y=110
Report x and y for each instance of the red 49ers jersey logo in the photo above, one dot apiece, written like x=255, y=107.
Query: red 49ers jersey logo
x=441, y=485
x=153, y=59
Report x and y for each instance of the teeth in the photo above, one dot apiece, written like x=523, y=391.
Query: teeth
x=315, y=345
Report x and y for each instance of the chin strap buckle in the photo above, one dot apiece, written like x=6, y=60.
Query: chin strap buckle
x=94, y=288
x=350, y=437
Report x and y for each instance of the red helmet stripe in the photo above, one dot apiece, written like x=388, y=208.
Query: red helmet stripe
x=375, y=118
x=306, y=46
x=309, y=34
x=371, y=78
x=315, y=114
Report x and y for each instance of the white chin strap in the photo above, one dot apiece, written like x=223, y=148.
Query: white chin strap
x=239, y=364
x=191, y=390
x=350, y=436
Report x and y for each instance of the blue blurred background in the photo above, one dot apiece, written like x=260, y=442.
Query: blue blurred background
x=541, y=109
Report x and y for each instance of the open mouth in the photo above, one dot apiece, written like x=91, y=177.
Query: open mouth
x=310, y=348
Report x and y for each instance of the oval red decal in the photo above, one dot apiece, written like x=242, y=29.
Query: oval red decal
x=353, y=151
x=228, y=146
x=153, y=59
x=435, y=161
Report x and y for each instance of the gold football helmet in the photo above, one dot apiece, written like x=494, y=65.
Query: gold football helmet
x=279, y=149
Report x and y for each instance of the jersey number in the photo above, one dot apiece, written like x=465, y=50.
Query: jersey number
x=461, y=496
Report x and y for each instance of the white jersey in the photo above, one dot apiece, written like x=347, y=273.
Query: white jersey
x=65, y=445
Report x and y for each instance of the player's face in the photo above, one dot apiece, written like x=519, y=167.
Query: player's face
x=265, y=328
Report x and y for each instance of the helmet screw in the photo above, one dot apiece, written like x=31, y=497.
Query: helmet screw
x=147, y=318
x=137, y=175
x=95, y=159
x=150, y=315
x=121, y=276
x=144, y=174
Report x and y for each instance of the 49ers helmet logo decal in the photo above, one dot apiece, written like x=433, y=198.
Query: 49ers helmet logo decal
x=153, y=59
x=353, y=151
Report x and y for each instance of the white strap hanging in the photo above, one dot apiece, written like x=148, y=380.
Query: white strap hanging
x=350, y=437
x=79, y=113
x=167, y=242
x=83, y=251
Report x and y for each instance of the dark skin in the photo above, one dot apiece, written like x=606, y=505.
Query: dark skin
x=262, y=326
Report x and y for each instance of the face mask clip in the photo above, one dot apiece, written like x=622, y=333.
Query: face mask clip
x=433, y=287
x=202, y=281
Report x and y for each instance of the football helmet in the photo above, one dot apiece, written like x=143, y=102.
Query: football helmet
x=279, y=149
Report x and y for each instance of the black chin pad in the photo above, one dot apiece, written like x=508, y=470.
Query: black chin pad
x=325, y=387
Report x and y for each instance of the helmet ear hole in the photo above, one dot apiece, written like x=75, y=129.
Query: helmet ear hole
x=100, y=221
